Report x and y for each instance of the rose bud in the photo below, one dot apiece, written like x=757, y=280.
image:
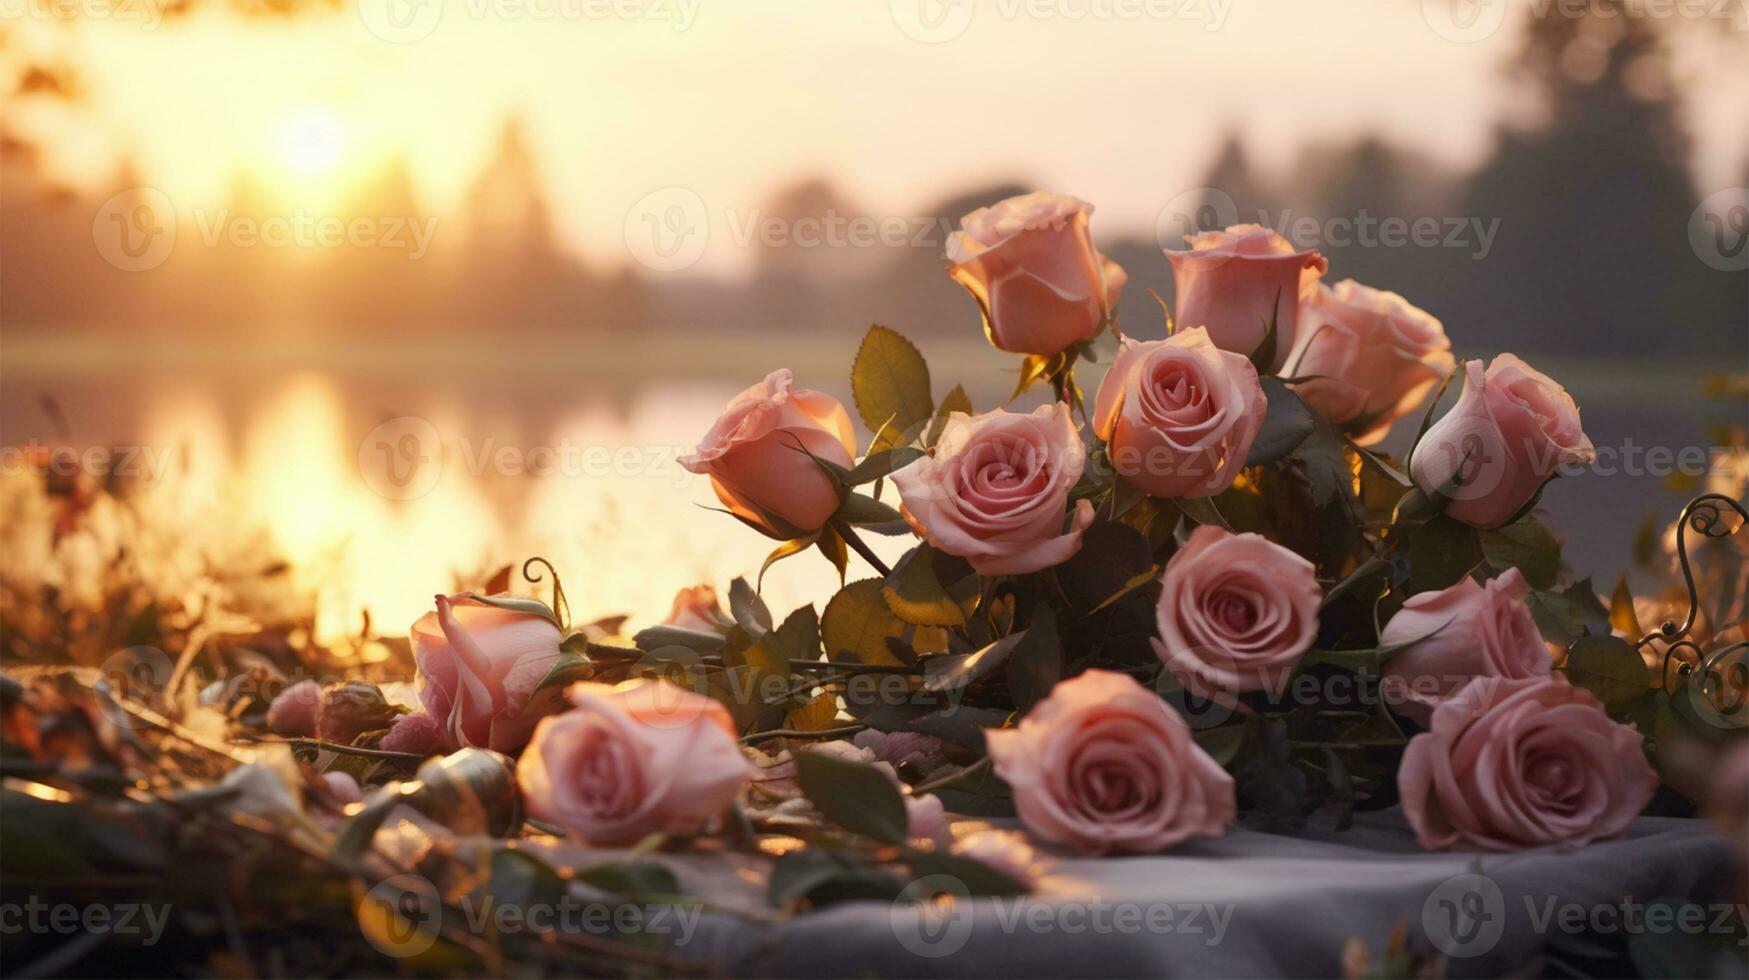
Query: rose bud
x=1465, y=631
x=1238, y=281
x=1236, y=612
x=1510, y=764
x=757, y=456
x=416, y=732
x=294, y=711
x=697, y=608
x=631, y=760
x=1375, y=355
x=1030, y=263
x=343, y=786
x=1103, y=765
x=996, y=489
x=478, y=668
x=1491, y=454
x=349, y=710
x=1179, y=414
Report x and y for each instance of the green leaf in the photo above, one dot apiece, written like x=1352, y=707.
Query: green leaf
x=1114, y=560
x=857, y=797
x=876, y=465
x=1441, y=552
x=1263, y=358
x=1222, y=743
x=1569, y=614
x=1609, y=667
x=832, y=544
x=1286, y=424
x=658, y=637
x=890, y=384
x=1202, y=510
x=915, y=593
x=522, y=880
x=957, y=670
x=573, y=663
x=865, y=511
x=797, y=639
x=1037, y=664
x=631, y=878
x=1366, y=661
x=517, y=604
x=1528, y=546
x=820, y=877
x=956, y=401
x=747, y=608
x=977, y=877
x=857, y=624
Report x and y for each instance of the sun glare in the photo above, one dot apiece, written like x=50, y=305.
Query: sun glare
x=312, y=143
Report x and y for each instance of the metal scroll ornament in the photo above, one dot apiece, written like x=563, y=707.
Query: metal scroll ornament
x=1717, y=681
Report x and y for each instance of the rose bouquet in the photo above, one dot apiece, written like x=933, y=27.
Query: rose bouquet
x=1201, y=596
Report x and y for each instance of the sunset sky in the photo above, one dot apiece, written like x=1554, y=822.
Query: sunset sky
x=732, y=100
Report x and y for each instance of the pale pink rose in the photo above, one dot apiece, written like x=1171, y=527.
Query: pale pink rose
x=922, y=752
x=995, y=490
x=1465, y=631
x=479, y=665
x=1236, y=282
x=416, y=732
x=1030, y=263
x=1236, y=612
x=697, y=608
x=1103, y=765
x=926, y=821
x=343, y=786
x=1510, y=764
x=1179, y=414
x=1377, y=357
x=632, y=759
x=1510, y=430
x=757, y=456
x=294, y=710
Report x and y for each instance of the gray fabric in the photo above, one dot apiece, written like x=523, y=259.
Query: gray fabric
x=1293, y=900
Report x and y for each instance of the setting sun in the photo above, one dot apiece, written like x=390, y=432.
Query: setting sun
x=311, y=144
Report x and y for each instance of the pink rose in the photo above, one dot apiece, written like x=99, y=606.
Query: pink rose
x=1465, y=631
x=1103, y=764
x=755, y=456
x=1377, y=356
x=416, y=732
x=1727, y=804
x=996, y=487
x=294, y=710
x=632, y=759
x=479, y=665
x=1509, y=431
x=1236, y=612
x=1510, y=764
x=926, y=822
x=1030, y=263
x=1236, y=282
x=696, y=608
x=1180, y=414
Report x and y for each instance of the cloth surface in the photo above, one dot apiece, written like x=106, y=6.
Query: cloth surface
x=1250, y=904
